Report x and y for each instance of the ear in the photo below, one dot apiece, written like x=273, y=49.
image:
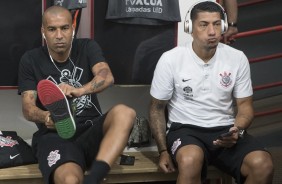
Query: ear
x=73, y=30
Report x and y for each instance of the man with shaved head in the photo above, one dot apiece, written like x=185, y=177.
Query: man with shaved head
x=76, y=70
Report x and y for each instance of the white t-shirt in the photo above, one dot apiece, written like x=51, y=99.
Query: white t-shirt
x=201, y=93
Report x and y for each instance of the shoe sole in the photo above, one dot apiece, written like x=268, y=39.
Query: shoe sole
x=52, y=97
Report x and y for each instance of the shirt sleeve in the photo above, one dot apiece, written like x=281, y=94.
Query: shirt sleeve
x=26, y=79
x=243, y=87
x=162, y=83
x=94, y=54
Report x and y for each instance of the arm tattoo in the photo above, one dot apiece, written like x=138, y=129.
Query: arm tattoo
x=160, y=106
x=34, y=95
x=103, y=74
x=95, y=85
x=30, y=110
x=31, y=96
x=158, y=122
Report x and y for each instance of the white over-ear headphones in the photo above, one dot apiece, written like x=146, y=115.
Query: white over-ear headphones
x=188, y=22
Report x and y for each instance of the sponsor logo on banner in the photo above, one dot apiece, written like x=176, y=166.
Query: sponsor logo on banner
x=144, y=6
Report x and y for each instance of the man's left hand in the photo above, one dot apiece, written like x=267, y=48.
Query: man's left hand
x=228, y=141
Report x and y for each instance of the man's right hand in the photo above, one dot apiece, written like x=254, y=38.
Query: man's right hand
x=165, y=163
x=49, y=123
x=71, y=91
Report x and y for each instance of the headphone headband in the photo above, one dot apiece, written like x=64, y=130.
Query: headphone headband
x=188, y=22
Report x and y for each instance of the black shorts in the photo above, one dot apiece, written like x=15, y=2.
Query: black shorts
x=53, y=151
x=228, y=160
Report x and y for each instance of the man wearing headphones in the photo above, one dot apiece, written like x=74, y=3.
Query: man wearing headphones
x=198, y=83
x=79, y=69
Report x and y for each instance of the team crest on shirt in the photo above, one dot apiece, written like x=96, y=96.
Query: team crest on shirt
x=175, y=145
x=7, y=141
x=53, y=157
x=225, y=79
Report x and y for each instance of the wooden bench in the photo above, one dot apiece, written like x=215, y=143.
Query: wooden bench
x=145, y=169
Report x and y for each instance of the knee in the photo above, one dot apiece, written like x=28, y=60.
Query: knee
x=70, y=179
x=124, y=111
x=190, y=158
x=124, y=115
x=261, y=165
x=68, y=173
x=187, y=162
x=265, y=166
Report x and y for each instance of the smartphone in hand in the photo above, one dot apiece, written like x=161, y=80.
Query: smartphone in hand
x=227, y=134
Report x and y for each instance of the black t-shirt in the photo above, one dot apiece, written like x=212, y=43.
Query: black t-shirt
x=36, y=65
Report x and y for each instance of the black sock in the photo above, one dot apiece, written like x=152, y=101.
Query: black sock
x=98, y=172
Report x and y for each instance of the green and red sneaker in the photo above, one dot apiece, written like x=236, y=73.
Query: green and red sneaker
x=55, y=101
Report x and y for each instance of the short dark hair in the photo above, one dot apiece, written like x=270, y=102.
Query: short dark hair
x=206, y=6
x=55, y=10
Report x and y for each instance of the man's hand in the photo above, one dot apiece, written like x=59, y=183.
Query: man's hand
x=228, y=36
x=49, y=123
x=165, y=163
x=228, y=141
x=71, y=91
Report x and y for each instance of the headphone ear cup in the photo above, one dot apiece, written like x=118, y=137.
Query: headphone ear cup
x=190, y=25
x=186, y=26
x=224, y=26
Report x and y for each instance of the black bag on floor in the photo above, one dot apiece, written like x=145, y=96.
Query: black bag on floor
x=14, y=151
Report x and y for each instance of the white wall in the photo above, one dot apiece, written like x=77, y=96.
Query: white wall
x=11, y=115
